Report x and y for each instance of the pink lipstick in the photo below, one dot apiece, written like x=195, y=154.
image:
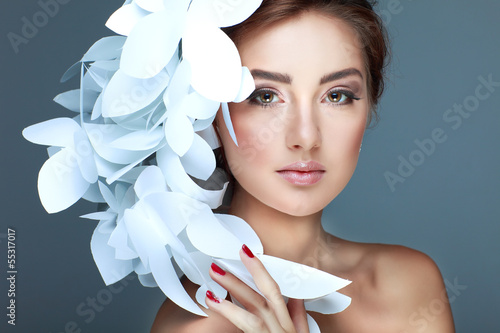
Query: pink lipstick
x=302, y=173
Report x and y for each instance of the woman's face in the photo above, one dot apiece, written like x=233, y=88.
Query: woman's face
x=300, y=132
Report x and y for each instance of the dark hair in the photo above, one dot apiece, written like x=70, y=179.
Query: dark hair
x=358, y=14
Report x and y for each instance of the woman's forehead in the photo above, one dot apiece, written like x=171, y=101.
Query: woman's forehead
x=302, y=43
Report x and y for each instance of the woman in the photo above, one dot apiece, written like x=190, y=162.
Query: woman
x=317, y=66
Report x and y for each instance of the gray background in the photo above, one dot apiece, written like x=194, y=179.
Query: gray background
x=449, y=207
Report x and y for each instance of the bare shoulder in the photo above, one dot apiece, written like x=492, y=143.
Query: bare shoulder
x=413, y=281
x=399, y=265
x=172, y=318
x=392, y=270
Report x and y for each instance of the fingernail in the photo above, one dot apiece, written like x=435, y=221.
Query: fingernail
x=211, y=296
x=218, y=270
x=247, y=251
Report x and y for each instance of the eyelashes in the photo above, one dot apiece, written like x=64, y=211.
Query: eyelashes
x=341, y=97
x=266, y=97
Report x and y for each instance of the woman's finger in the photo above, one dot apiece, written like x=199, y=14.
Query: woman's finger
x=268, y=287
x=242, y=319
x=251, y=300
x=298, y=314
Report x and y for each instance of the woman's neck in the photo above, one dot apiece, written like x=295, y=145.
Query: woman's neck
x=300, y=239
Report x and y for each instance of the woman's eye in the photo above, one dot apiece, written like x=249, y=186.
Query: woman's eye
x=267, y=97
x=337, y=97
x=264, y=98
x=340, y=97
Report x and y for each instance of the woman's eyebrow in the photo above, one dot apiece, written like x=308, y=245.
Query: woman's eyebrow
x=273, y=76
x=340, y=75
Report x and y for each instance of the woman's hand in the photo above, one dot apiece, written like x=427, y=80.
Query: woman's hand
x=270, y=314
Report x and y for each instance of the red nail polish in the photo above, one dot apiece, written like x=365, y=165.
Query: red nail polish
x=247, y=251
x=211, y=296
x=218, y=270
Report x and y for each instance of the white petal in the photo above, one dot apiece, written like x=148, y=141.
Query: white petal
x=179, y=85
x=142, y=231
x=155, y=221
x=179, y=181
x=122, y=173
x=97, y=78
x=168, y=212
x=215, y=62
x=111, y=269
x=301, y=281
x=212, y=286
x=139, y=267
x=71, y=100
x=107, y=65
x=209, y=135
x=209, y=236
x=128, y=199
x=98, y=216
x=224, y=13
x=247, y=85
x=54, y=132
x=150, y=230
x=167, y=280
x=102, y=135
x=105, y=168
x=188, y=267
x=199, y=160
x=93, y=194
x=93, y=80
x=152, y=43
x=241, y=229
x=131, y=176
x=150, y=181
x=177, y=5
x=107, y=226
x=174, y=62
x=137, y=120
x=147, y=280
x=119, y=241
x=97, y=110
x=313, y=326
x=125, y=94
x=109, y=197
x=239, y=270
x=229, y=124
x=151, y=5
x=85, y=157
x=60, y=182
x=329, y=304
x=199, y=107
x=139, y=140
x=200, y=125
x=179, y=133
x=125, y=18
x=72, y=71
x=106, y=48
x=202, y=262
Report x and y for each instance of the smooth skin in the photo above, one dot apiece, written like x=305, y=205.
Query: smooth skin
x=311, y=104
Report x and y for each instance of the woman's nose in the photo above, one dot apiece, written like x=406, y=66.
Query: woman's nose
x=303, y=130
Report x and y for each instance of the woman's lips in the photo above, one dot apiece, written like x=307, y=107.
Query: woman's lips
x=302, y=173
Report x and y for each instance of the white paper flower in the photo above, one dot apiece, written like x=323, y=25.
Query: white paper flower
x=67, y=174
x=165, y=227
x=141, y=143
